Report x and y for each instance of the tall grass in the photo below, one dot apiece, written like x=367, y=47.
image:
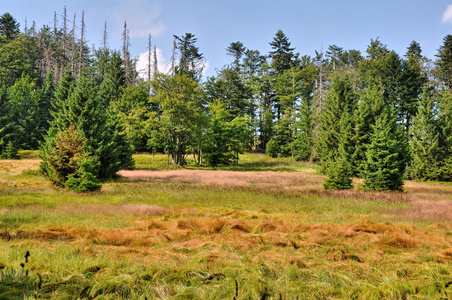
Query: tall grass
x=175, y=240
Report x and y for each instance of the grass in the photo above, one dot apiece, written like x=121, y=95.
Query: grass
x=247, y=162
x=164, y=239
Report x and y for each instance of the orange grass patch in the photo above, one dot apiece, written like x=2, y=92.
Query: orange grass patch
x=15, y=167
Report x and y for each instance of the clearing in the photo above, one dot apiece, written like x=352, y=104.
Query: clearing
x=266, y=230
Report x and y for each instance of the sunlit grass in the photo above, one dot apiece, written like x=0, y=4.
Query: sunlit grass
x=247, y=162
x=186, y=240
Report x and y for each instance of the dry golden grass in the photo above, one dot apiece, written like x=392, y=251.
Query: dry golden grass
x=266, y=237
x=15, y=167
x=109, y=209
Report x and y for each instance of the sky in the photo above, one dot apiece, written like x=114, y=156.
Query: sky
x=310, y=25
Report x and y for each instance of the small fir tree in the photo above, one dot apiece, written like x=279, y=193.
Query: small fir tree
x=386, y=155
x=339, y=168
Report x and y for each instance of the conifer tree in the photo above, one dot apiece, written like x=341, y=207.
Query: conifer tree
x=24, y=104
x=385, y=162
x=8, y=128
x=340, y=100
x=425, y=142
x=444, y=62
x=303, y=144
x=445, y=140
x=282, y=55
x=369, y=107
x=339, y=167
x=9, y=27
x=105, y=149
x=412, y=81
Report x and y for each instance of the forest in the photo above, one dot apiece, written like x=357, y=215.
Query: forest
x=379, y=115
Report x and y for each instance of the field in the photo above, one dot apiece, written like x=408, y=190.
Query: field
x=263, y=229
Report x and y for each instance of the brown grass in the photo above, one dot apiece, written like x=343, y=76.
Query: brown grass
x=15, y=167
x=229, y=178
x=109, y=209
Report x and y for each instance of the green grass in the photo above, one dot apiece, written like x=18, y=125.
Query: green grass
x=173, y=240
x=28, y=154
x=247, y=162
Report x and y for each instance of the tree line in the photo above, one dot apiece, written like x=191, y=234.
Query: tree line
x=375, y=115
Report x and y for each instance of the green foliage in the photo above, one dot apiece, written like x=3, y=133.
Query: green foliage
x=444, y=61
x=230, y=89
x=9, y=27
x=65, y=156
x=282, y=55
x=224, y=139
x=181, y=123
x=10, y=151
x=336, y=122
x=83, y=179
x=191, y=62
x=425, y=147
x=272, y=148
x=24, y=104
x=303, y=139
x=338, y=172
x=386, y=155
x=19, y=56
x=105, y=149
x=133, y=112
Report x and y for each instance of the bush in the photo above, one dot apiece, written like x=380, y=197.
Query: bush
x=10, y=151
x=338, y=175
x=272, y=148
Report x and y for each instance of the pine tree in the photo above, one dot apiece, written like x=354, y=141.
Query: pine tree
x=9, y=27
x=303, y=144
x=340, y=100
x=385, y=163
x=339, y=166
x=191, y=61
x=445, y=139
x=84, y=108
x=444, y=62
x=412, y=81
x=369, y=107
x=424, y=145
x=24, y=104
x=282, y=55
x=8, y=128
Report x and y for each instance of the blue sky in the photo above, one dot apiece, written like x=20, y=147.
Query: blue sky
x=309, y=24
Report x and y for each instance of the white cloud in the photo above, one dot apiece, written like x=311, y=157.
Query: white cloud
x=205, y=68
x=140, y=16
x=163, y=65
x=447, y=15
x=142, y=63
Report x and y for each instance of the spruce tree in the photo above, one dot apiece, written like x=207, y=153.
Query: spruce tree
x=9, y=27
x=444, y=62
x=384, y=166
x=8, y=128
x=339, y=168
x=340, y=103
x=425, y=142
x=282, y=55
x=369, y=107
x=24, y=104
x=445, y=140
x=106, y=150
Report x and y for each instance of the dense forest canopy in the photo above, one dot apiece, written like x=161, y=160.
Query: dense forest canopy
x=379, y=115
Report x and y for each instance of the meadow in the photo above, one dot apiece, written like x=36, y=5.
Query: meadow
x=262, y=229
